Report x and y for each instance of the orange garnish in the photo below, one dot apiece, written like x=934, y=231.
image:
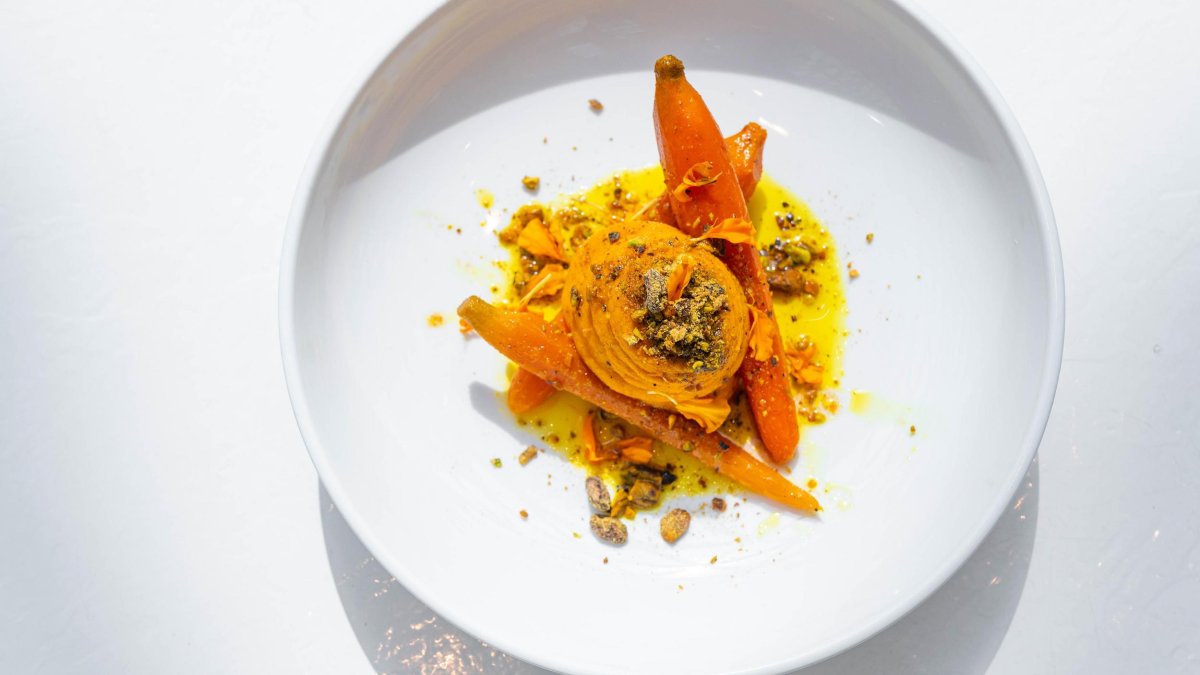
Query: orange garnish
x=762, y=334
x=732, y=230
x=709, y=412
x=801, y=366
x=538, y=240
x=811, y=374
x=639, y=449
x=680, y=276
x=699, y=175
x=591, y=449
x=548, y=281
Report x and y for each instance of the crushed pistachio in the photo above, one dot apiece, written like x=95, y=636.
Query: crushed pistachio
x=597, y=495
x=674, y=525
x=643, y=494
x=689, y=328
x=609, y=530
x=620, y=503
x=497, y=463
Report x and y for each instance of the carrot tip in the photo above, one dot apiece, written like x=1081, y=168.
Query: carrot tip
x=668, y=67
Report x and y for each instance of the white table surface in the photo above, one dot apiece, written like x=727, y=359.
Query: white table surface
x=158, y=512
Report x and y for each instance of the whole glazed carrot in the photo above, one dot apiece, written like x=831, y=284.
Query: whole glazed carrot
x=687, y=136
x=745, y=150
x=547, y=351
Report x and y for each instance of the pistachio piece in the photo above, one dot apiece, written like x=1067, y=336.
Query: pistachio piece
x=609, y=530
x=527, y=455
x=643, y=494
x=597, y=495
x=674, y=525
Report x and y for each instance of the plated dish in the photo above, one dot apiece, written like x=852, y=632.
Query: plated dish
x=876, y=121
x=662, y=302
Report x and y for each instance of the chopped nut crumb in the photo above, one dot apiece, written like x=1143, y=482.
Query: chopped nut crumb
x=870, y=237
x=718, y=504
x=531, y=183
x=620, y=503
x=527, y=455
x=595, y=105
x=597, y=495
x=609, y=530
x=524, y=513
x=912, y=430
x=853, y=273
x=435, y=320
x=497, y=463
x=643, y=494
x=605, y=560
x=674, y=525
x=713, y=561
x=576, y=535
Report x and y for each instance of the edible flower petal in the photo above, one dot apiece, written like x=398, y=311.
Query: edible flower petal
x=639, y=449
x=680, y=276
x=699, y=175
x=536, y=238
x=732, y=230
x=762, y=334
x=546, y=282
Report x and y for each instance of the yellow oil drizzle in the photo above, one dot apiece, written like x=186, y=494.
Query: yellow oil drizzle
x=822, y=319
x=485, y=198
x=875, y=407
x=768, y=524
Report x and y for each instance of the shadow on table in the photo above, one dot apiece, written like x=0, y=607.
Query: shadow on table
x=957, y=630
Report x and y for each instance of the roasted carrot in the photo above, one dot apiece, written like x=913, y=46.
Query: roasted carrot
x=745, y=150
x=527, y=391
x=547, y=351
x=687, y=136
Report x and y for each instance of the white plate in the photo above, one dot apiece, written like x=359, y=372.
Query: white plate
x=956, y=322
